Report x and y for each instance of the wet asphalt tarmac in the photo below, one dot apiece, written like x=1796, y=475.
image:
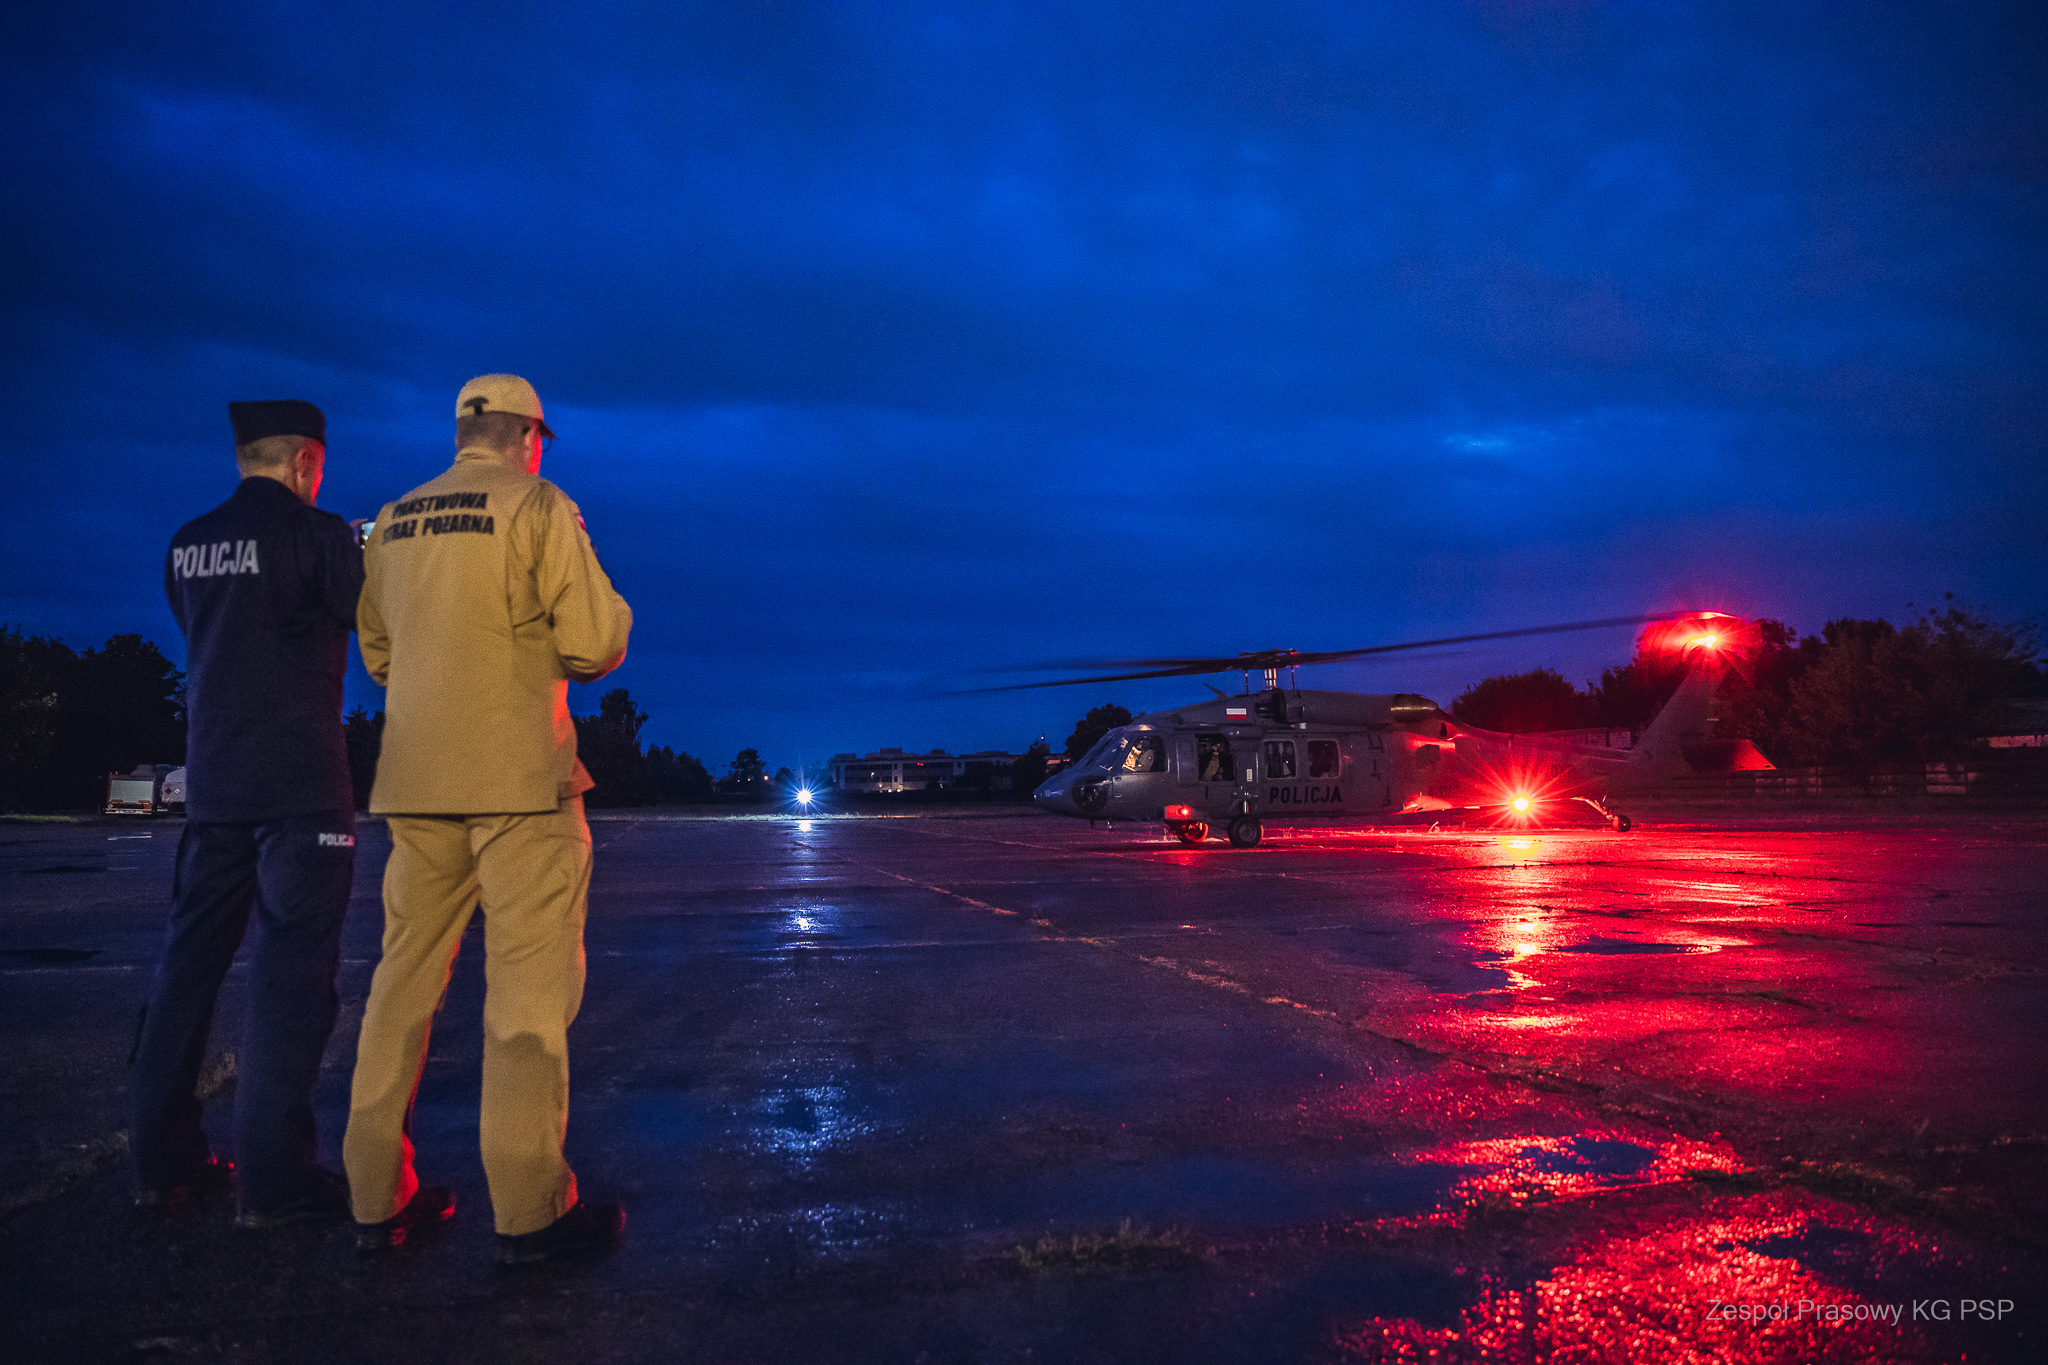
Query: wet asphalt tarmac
x=1008, y=1088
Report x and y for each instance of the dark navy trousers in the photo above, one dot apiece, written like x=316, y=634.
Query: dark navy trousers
x=295, y=874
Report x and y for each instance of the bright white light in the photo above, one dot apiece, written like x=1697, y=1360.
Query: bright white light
x=1709, y=641
x=1521, y=805
x=803, y=796
x=803, y=826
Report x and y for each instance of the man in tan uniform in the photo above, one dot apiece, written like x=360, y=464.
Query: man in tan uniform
x=482, y=599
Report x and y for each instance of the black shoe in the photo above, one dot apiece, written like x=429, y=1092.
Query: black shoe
x=583, y=1229
x=429, y=1205
x=325, y=1196
x=211, y=1176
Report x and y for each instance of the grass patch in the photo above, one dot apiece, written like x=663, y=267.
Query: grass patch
x=1128, y=1248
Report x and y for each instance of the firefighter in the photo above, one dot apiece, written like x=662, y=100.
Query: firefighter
x=483, y=600
x=265, y=589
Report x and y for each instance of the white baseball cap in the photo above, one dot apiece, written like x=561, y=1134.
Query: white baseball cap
x=500, y=393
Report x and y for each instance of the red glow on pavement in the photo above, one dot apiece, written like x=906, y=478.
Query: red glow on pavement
x=1535, y=1169
x=1724, y=1286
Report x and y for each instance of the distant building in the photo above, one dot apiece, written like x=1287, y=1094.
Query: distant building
x=2029, y=726
x=896, y=770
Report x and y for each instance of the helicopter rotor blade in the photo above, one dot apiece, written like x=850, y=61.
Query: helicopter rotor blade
x=1339, y=655
x=1204, y=666
x=1288, y=658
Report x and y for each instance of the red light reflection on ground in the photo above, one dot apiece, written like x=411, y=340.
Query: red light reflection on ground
x=1704, y=1289
x=1537, y=1169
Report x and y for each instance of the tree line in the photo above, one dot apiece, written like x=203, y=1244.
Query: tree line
x=68, y=718
x=1859, y=691
x=609, y=745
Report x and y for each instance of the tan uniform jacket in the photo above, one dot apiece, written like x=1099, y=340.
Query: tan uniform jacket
x=482, y=599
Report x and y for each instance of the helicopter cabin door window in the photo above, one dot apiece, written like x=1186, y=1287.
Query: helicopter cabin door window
x=1279, y=760
x=1324, y=764
x=1185, y=766
x=1147, y=754
x=1212, y=758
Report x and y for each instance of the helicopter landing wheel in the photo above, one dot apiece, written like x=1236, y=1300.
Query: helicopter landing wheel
x=1191, y=834
x=1245, y=831
x=1622, y=824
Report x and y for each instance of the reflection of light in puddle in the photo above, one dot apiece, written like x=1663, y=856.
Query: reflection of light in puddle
x=803, y=826
x=1538, y=1169
x=1641, y=1297
x=1528, y=1021
x=1519, y=935
x=1525, y=936
x=805, y=1121
x=1683, y=942
x=811, y=926
x=1520, y=849
x=1509, y=942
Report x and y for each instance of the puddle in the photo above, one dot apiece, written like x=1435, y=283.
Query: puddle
x=1445, y=969
x=806, y=1120
x=1537, y=1168
x=1583, y=1155
x=1698, y=1289
x=1817, y=1247
x=1612, y=947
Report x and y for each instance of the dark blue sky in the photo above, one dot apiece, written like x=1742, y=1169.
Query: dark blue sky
x=888, y=342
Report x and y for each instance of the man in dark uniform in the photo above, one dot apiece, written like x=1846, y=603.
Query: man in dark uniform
x=264, y=587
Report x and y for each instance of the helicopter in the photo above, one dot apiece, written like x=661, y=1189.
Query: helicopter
x=1291, y=754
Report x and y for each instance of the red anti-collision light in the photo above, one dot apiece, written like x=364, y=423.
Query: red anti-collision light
x=1521, y=805
x=1180, y=813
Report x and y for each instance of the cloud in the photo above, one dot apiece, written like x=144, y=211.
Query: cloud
x=889, y=340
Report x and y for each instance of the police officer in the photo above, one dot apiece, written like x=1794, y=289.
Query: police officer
x=265, y=588
x=483, y=599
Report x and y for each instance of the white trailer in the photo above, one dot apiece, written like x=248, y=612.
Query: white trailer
x=138, y=793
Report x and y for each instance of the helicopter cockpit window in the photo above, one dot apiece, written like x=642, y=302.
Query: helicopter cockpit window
x=1147, y=754
x=1279, y=759
x=1106, y=754
x=1323, y=760
x=1212, y=758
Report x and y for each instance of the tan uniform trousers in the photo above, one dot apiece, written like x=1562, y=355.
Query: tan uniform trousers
x=532, y=875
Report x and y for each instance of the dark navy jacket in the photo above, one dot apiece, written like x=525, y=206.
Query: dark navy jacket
x=265, y=589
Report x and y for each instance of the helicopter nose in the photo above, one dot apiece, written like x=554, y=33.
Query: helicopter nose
x=1055, y=797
